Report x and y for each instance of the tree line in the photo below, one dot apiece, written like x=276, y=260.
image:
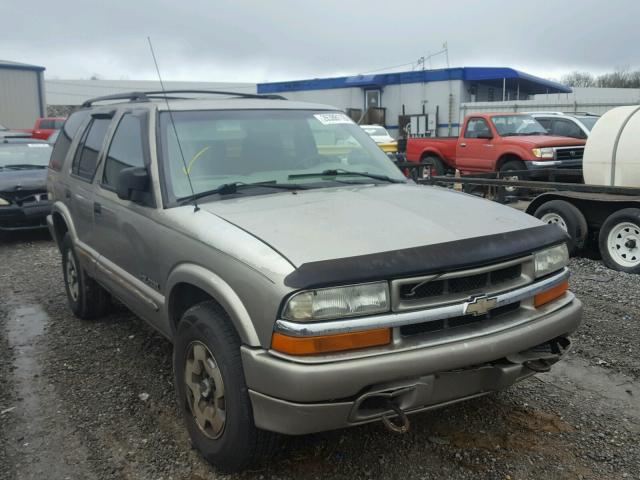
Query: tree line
x=623, y=78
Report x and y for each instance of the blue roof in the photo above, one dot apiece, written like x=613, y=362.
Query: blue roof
x=528, y=83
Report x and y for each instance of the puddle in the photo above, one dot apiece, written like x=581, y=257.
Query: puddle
x=578, y=376
x=42, y=438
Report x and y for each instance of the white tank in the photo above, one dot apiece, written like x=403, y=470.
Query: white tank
x=612, y=154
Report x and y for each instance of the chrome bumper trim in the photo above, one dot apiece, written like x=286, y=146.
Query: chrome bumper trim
x=392, y=320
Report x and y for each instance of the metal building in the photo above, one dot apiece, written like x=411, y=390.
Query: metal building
x=429, y=100
x=22, y=98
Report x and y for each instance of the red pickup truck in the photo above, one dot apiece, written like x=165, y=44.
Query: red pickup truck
x=44, y=127
x=497, y=142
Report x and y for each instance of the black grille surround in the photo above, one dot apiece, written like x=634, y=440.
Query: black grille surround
x=435, y=288
x=569, y=153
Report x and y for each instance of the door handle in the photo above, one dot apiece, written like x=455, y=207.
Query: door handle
x=488, y=145
x=463, y=144
x=97, y=208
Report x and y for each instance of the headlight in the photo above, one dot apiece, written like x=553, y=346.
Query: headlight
x=3, y=202
x=331, y=303
x=550, y=260
x=543, y=152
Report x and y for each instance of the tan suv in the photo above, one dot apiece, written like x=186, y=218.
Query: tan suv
x=305, y=283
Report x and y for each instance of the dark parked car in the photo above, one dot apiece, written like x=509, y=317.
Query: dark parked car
x=23, y=193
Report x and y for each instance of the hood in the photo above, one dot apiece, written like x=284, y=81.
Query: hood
x=330, y=223
x=540, y=141
x=15, y=181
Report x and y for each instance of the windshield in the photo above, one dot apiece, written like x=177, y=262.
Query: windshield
x=588, y=122
x=36, y=154
x=376, y=131
x=249, y=146
x=510, y=125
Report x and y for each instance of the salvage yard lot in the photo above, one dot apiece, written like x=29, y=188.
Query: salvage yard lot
x=96, y=399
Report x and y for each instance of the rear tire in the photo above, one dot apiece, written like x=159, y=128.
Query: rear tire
x=220, y=425
x=87, y=299
x=619, y=240
x=435, y=167
x=567, y=217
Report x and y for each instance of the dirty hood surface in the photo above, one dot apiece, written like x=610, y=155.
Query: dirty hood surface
x=330, y=223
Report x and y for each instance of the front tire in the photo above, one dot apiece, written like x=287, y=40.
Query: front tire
x=567, y=217
x=87, y=299
x=619, y=240
x=212, y=392
x=512, y=166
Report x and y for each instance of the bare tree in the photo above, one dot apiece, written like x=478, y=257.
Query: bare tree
x=579, y=79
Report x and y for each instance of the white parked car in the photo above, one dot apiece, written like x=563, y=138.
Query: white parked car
x=575, y=125
x=381, y=136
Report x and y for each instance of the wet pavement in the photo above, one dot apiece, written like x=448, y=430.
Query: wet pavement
x=71, y=403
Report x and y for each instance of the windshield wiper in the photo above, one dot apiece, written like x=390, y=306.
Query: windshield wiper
x=23, y=166
x=335, y=173
x=233, y=187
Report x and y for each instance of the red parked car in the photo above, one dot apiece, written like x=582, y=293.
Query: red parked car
x=44, y=127
x=497, y=142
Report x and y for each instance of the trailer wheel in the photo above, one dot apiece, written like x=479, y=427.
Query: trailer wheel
x=567, y=217
x=435, y=167
x=619, y=240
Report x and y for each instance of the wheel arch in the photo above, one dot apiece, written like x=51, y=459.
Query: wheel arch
x=62, y=224
x=189, y=284
x=507, y=157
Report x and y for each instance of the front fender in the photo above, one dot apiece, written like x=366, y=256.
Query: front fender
x=220, y=291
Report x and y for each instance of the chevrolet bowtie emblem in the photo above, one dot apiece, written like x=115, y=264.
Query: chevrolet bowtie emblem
x=479, y=305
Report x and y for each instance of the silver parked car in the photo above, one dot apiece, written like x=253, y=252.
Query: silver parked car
x=305, y=283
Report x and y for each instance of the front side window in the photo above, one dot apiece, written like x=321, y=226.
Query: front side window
x=125, y=150
x=477, y=128
x=250, y=146
x=86, y=159
x=517, y=125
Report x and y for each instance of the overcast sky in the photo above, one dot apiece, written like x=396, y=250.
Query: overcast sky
x=270, y=40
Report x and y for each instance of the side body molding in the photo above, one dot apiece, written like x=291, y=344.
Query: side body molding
x=220, y=290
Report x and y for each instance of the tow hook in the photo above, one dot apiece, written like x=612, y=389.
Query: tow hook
x=398, y=423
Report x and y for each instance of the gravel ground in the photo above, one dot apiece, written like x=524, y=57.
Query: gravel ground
x=96, y=399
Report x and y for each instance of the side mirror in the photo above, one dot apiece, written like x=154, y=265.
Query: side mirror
x=132, y=184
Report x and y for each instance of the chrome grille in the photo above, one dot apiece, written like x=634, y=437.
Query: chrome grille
x=569, y=153
x=454, y=287
x=456, y=322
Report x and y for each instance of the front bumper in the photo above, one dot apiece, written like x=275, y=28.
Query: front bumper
x=299, y=398
x=546, y=164
x=27, y=217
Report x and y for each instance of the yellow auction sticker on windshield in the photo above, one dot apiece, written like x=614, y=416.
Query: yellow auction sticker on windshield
x=332, y=118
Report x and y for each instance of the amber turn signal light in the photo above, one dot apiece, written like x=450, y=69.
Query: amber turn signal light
x=330, y=343
x=551, y=294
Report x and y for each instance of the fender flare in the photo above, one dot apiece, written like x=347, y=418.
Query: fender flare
x=220, y=291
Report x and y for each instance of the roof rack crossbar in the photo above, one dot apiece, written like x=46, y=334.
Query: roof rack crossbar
x=147, y=95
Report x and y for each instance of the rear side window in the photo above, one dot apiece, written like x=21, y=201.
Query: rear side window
x=566, y=128
x=126, y=149
x=86, y=159
x=65, y=138
x=545, y=122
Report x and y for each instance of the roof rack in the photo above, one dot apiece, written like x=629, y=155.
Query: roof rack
x=146, y=96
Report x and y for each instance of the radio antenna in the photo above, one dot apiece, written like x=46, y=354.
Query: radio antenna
x=173, y=125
